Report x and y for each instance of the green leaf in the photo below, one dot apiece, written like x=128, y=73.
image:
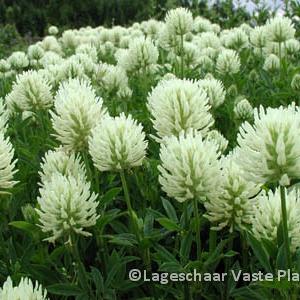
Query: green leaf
x=29, y=228
x=230, y=253
x=64, y=289
x=185, y=245
x=98, y=280
x=168, y=224
x=109, y=196
x=260, y=252
x=148, y=224
x=170, y=210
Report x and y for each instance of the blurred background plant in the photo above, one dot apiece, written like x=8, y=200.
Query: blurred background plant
x=33, y=17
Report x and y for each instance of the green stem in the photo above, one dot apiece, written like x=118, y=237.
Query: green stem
x=280, y=61
x=186, y=291
x=129, y=207
x=212, y=240
x=181, y=57
x=244, y=252
x=198, y=239
x=285, y=227
x=87, y=165
x=82, y=275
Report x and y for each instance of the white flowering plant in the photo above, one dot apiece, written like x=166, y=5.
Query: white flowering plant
x=167, y=146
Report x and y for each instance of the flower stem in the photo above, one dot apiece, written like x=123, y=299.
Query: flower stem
x=212, y=240
x=285, y=227
x=129, y=207
x=82, y=275
x=181, y=57
x=198, y=239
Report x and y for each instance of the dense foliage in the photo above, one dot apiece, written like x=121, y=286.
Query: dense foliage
x=164, y=146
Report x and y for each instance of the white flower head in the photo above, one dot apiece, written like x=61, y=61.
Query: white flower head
x=236, y=39
x=258, y=37
x=179, y=104
x=234, y=206
x=271, y=63
x=208, y=40
x=53, y=30
x=35, y=52
x=4, y=66
x=179, y=21
x=280, y=29
x=77, y=111
x=50, y=43
x=62, y=162
x=243, y=110
x=118, y=143
x=218, y=138
x=25, y=290
x=189, y=167
x=292, y=46
x=215, y=91
x=114, y=79
x=7, y=164
x=228, y=62
x=4, y=115
x=203, y=25
x=66, y=206
x=268, y=216
x=30, y=92
x=269, y=149
x=295, y=84
x=18, y=60
x=142, y=54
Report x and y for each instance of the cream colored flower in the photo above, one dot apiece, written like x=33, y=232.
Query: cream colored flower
x=189, y=167
x=117, y=143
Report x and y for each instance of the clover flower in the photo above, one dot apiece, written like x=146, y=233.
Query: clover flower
x=280, y=29
x=50, y=58
x=53, y=30
x=234, y=206
x=66, y=206
x=35, y=52
x=267, y=217
x=236, y=39
x=228, y=62
x=179, y=21
x=117, y=144
x=7, y=163
x=30, y=92
x=189, y=167
x=142, y=55
x=258, y=37
x=208, y=40
x=179, y=104
x=62, y=162
x=292, y=46
x=88, y=50
x=77, y=111
x=4, y=66
x=114, y=79
x=271, y=63
x=50, y=43
x=243, y=110
x=295, y=84
x=215, y=91
x=3, y=116
x=18, y=60
x=219, y=139
x=269, y=149
x=25, y=290
x=202, y=25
